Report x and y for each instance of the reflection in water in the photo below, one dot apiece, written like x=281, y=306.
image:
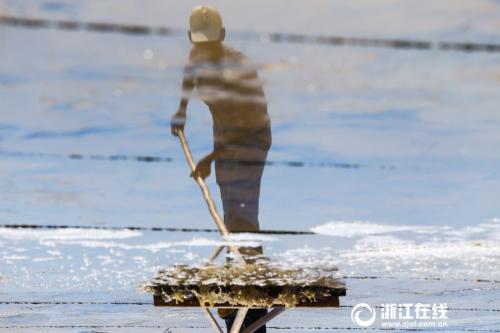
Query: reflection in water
x=227, y=81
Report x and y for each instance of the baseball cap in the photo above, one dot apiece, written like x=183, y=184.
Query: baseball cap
x=205, y=24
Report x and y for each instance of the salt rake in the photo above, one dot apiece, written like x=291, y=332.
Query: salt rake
x=285, y=289
x=209, y=201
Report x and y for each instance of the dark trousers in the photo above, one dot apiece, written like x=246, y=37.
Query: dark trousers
x=252, y=316
x=238, y=175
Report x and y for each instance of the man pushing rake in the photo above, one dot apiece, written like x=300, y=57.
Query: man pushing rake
x=243, y=292
x=227, y=81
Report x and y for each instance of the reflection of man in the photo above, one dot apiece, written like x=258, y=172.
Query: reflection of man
x=227, y=82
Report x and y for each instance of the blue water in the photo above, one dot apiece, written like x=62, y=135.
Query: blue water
x=388, y=138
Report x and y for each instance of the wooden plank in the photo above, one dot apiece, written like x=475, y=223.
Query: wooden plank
x=332, y=301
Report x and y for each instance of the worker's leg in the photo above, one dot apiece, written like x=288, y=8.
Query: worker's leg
x=252, y=316
x=239, y=177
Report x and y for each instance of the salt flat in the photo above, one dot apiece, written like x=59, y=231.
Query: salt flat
x=389, y=156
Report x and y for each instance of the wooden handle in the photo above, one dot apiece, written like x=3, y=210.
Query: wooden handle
x=206, y=194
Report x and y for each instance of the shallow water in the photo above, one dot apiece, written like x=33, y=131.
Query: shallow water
x=390, y=156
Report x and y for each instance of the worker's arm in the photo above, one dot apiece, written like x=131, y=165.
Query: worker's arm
x=203, y=167
x=178, y=120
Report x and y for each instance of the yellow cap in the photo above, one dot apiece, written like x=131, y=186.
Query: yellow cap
x=205, y=24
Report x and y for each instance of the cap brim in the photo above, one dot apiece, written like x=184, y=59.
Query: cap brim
x=206, y=35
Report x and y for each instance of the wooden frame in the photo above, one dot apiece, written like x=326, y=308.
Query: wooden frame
x=329, y=301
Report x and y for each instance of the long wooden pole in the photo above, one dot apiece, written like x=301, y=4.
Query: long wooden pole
x=206, y=195
x=212, y=320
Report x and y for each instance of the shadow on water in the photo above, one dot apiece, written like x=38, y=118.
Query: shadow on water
x=75, y=133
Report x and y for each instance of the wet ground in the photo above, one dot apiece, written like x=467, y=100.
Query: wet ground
x=387, y=155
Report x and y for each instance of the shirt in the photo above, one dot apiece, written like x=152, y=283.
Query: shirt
x=228, y=83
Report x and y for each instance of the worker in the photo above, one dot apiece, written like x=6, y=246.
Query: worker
x=227, y=81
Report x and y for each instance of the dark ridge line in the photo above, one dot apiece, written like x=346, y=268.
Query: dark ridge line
x=449, y=308
x=349, y=328
x=72, y=303
x=418, y=279
x=315, y=328
x=157, y=159
x=82, y=326
x=150, y=303
x=48, y=226
x=143, y=30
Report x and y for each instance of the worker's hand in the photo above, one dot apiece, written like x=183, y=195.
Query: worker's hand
x=177, y=122
x=203, y=167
